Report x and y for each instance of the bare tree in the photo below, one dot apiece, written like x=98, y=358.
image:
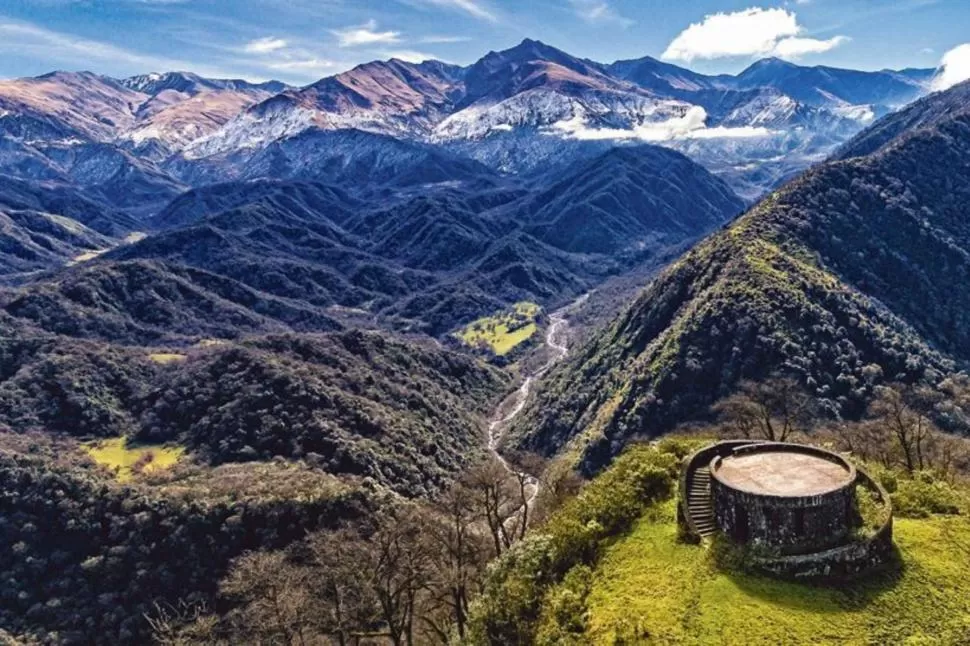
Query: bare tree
x=184, y=624
x=346, y=604
x=275, y=603
x=498, y=500
x=903, y=410
x=560, y=482
x=397, y=565
x=868, y=440
x=459, y=551
x=771, y=410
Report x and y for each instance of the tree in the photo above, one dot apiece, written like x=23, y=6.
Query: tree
x=397, y=566
x=346, y=604
x=904, y=411
x=184, y=624
x=559, y=482
x=868, y=440
x=459, y=556
x=275, y=602
x=498, y=500
x=771, y=410
x=528, y=467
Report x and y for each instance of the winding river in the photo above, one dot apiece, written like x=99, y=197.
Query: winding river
x=556, y=340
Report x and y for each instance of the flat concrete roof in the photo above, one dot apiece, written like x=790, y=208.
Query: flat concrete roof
x=782, y=473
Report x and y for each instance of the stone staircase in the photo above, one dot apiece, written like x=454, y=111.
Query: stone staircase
x=699, y=504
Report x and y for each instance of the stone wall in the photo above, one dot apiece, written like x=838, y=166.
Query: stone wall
x=855, y=557
x=825, y=546
x=787, y=524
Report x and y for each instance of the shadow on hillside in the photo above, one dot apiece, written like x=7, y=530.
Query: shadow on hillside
x=824, y=594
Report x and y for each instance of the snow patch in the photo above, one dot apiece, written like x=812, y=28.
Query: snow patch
x=692, y=125
x=544, y=107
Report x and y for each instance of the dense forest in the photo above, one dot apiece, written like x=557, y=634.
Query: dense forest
x=354, y=403
x=88, y=559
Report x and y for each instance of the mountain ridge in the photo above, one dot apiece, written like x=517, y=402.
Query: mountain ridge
x=846, y=278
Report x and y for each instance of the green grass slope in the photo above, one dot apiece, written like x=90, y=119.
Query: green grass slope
x=609, y=567
x=649, y=588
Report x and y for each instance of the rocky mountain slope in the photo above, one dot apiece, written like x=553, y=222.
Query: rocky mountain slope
x=516, y=110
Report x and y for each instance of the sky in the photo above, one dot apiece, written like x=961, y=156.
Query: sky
x=300, y=41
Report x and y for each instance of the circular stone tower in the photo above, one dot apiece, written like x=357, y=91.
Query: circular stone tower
x=790, y=498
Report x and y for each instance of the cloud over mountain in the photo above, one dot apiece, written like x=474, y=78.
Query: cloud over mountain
x=954, y=68
x=751, y=32
x=692, y=125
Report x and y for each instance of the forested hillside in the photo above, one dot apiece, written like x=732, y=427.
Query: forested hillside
x=351, y=360
x=852, y=275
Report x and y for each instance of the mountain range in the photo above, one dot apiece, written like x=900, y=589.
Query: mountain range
x=267, y=281
x=141, y=140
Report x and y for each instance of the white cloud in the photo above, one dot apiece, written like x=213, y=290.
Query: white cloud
x=797, y=47
x=445, y=40
x=408, y=55
x=751, y=32
x=279, y=56
x=264, y=45
x=473, y=8
x=365, y=34
x=308, y=67
x=599, y=11
x=954, y=68
x=692, y=125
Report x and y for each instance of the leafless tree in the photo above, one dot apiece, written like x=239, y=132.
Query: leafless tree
x=184, y=624
x=771, y=410
x=903, y=410
x=498, y=500
x=346, y=603
x=459, y=554
x=275, y=603
x=398, y=565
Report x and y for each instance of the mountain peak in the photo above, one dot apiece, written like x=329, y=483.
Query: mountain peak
x=770, y=63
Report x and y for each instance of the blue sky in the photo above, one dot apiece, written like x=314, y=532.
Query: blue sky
x=302, y=40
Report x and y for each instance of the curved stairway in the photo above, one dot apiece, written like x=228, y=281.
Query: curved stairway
x=699, y=503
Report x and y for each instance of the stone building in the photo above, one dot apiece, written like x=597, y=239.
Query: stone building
x=795, y=504
x=790, y=497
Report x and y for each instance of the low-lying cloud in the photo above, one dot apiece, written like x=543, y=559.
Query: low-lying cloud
x=954, y=68
x=751, y=32
x=692, y=125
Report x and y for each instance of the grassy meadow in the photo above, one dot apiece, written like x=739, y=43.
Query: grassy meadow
x=127, y=459
x=503, y=332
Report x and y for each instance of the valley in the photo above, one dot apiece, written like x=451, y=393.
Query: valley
x=413, y=352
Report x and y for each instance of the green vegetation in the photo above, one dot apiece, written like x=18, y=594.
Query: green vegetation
x=848, y=278
x=574, y=537
x=504, y=331
x=127, y=459
x=351, y=403
x=89, y=558
x=649, y=588
x=609, y=568
x=165, y=358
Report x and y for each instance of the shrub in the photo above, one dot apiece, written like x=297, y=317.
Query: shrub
x=924, y=494
x=564, y=620
x=508, y=612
